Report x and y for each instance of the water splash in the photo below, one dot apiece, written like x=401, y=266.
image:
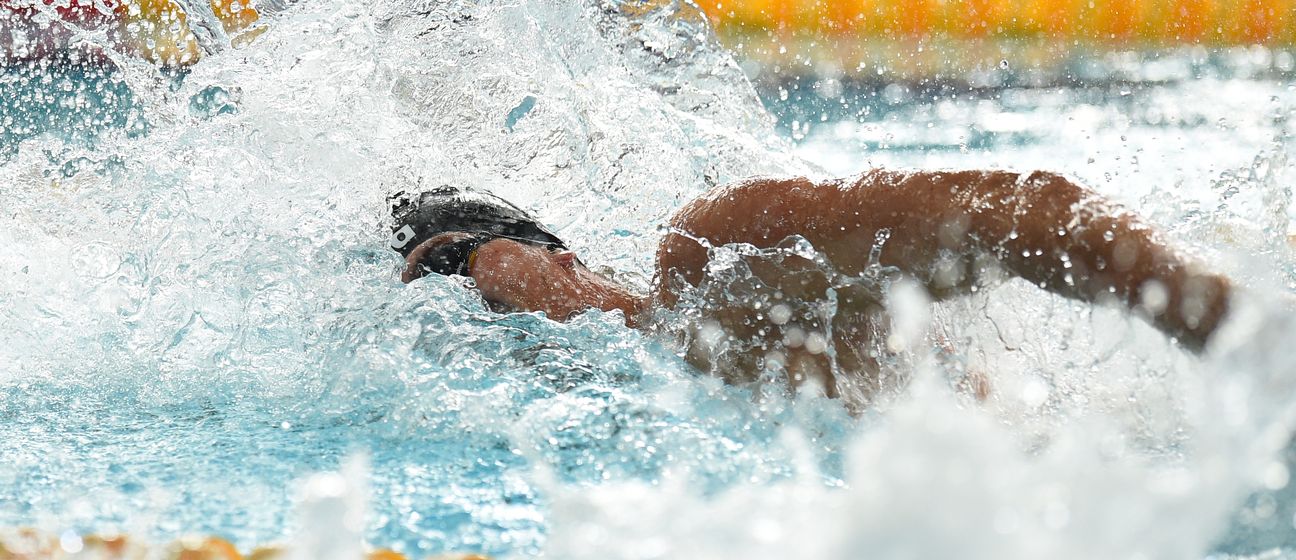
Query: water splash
x=206, y=26
x=333, y=514
x=205, y=303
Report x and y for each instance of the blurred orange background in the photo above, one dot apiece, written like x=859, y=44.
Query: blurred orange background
x=1107, y=22
x=842, y=36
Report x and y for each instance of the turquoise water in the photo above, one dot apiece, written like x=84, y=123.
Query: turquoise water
x=199, y=312
x=69, y=99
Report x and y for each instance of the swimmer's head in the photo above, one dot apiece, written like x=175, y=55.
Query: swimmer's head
x=517, y=263
x=421, y=216
x=439, y=231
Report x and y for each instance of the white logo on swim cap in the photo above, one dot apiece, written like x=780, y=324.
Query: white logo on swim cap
x=402, y=237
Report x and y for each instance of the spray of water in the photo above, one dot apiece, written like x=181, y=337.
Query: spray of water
x=220, y=278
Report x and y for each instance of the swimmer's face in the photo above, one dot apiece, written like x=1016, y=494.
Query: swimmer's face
x=522, y=276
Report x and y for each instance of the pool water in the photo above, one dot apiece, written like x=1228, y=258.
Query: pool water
x=199, y=313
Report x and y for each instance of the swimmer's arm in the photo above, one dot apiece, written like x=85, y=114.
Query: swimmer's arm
x=1041, y=227
x=1046, y=229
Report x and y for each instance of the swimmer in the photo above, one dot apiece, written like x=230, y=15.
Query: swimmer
x=945, y=230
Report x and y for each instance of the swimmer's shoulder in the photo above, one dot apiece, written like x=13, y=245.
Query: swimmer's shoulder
x=758, y=189
x=786, y=187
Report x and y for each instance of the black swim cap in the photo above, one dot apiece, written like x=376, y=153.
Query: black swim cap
x=422, y=216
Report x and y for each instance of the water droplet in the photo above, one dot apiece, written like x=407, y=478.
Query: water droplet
x=70, y=542
x=780, y=314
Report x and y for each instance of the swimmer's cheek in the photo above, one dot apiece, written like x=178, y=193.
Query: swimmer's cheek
x=523, y=279
x=517, y=295
x=506, y=274
x=490, y=270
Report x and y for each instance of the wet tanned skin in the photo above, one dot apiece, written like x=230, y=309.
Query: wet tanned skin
x=939, y=221
x=534, y=278
x=1039, y=226
x=937, y=225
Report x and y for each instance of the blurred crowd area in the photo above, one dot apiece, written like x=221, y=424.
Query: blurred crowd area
x=775, y=40
x=1120, y=22
x=921, y=39
x=159, y=31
